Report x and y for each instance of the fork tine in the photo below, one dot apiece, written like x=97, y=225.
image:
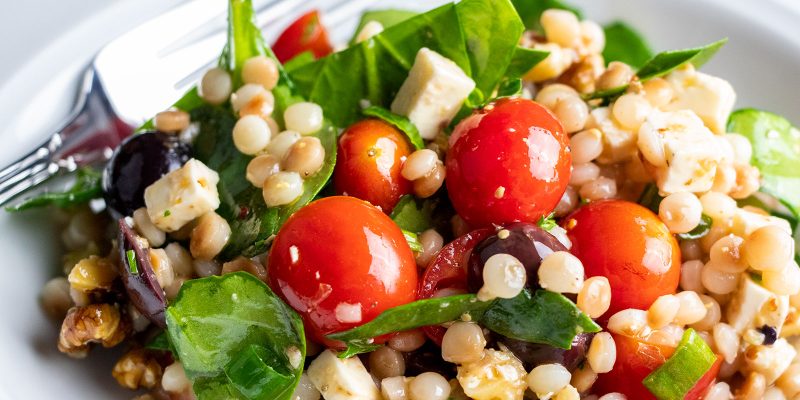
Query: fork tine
x=9, y=193
x=25, y=162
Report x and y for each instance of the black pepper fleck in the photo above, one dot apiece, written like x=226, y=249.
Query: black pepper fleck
x=770, y=334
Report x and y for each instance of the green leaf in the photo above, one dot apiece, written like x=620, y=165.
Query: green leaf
x=700, y=230
x=547, y=222
x=650, y=198
x=509, y=88
x=413, y=241
x=477, y=35
x=358, y=346
x=299, y=61
x=625, y=44
x=664, y=63
x=398, y=121
x=231, y=332
x=413, y=215
x=542, y=317
x=523, y=60
x=681, y=372
x=776, y=145
x=87, y=186
x=531, y=11
x=387, y=18
x=160, y=342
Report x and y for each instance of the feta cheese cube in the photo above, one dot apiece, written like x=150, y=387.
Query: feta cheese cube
x=433, y=92
x=619, y=144
x=182, y=195
x=771, y=361
x=753, y=306
x=498, y=375
x=342, y=379
x=745, y=222
x=711, y=98
x=690, y=151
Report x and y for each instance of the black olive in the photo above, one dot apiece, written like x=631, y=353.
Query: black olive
x=533, y=354
x=770, y=334
x=139, y=161
x=139, y=278
x=428, y=358
x=527, y=242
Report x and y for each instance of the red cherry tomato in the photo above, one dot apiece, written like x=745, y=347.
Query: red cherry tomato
x=448, y=270
x=304, y=34
x=508, y=163
x=630, y=246
x=636, y=360
x=369, y=160
x=340, y=262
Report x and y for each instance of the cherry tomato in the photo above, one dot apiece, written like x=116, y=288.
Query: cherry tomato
x=636, y=360
x=448, y=270
x=630, y=246
x=508, y=163
x=340, y=262
x=370, y=157
x=304, y=34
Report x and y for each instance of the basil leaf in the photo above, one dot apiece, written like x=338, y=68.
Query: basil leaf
x=776, y=144
x=87, y=186
x=413, y=215
x=398, y=121
x=387, y=18
x=530, y=11
x=221, y=327
x=413, y=241
x=664, y=63
x=358, y=346
x=681, y=372
x=700, y=230
x=523, y=60
x=623, y=43
x=542, y=317
x=477, y=35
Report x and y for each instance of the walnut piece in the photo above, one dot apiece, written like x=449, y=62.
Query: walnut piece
x=137, y=369
x=95, y=323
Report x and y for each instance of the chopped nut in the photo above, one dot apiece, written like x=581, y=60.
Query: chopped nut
x=92, y=273
x=101, y=323
x=137, y=369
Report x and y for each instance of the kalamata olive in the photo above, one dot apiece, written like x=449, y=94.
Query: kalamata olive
x=428, y=358
x=138, y=276
x=527, y=242
x=138, y=162
x=533, y=354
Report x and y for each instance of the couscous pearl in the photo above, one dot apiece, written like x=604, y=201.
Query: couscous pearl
x=593, y=37
x=429, y=386
x=463, y=343
x=251, y=134
x=583, y=173
x=769, y=248
x=561, y=272
x=407, y=341
x=419, y=164
x=583, y=378
x=216, y=86
x=171, y=121
x=572, y=112
x=742, y=149
x=548, y=378
x=691, y=250
x=712, y=317
x=561, y=27
x=386, y=362
x=503, y=276
x=652, y=147
x=681, y=212
x=789, y=381
x=629, y=322
x=718, y=206
x=658, y=92
x=568, y=203
x=306, y=157
x=724, y=179
x=602, y=353
x=726, y=341
x=305, y=390
x=613, y=396
x=586, y=145
x=774, y=393
x=260, y=70
x=727, y=254
x=753, y=388
x=663, y=311
x=146, y=228
x=568, y=393
x=720, y=391
x=280, y=145
x=261, y=168
x=282, y=188
x=180, y=259
x=551, y=94
x=429, y=184
x=748, y=180
x=599, y=189
x=431, y=242
x=174, y=379
x=785, y=281
x=630, y=110
x=691, y=308
x=246, y=94
x=594, y=299
x=55, y=297
x=395, y=388
x=209, y=236
x=303, y=117
x=617, y=74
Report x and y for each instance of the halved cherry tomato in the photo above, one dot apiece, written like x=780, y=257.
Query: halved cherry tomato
x=304, y=34
x=340, y=262
x=369, y=160
x=448, y=270
x=637, y=359
x=630, y=246
x=508, y=163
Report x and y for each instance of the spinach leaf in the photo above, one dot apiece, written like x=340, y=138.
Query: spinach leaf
x=531, y=11
x=509, y=88
x=650, y=198
x=413, y=241
x=477, y=35
x=664, y=63
x=413, y=215
x=398, y=121
x=542, y=317
x=234, y=336
x=87, y=186
x=523, y=60
x=623, y=43
x=160, y=342
x=299, y=60
x=776, y=145
x=700, y=230
x=387, y=18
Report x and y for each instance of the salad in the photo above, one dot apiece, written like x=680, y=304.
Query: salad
x=491, y=200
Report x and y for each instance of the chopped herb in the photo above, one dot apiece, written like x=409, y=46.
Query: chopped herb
x=133, y=267
x=413, y=241
x=700, y=230
x=547, y=222
x=167, y=213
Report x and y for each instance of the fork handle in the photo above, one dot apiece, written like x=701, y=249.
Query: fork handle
x=88, y=136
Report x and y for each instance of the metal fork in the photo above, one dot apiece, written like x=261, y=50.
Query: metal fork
x=141, y=73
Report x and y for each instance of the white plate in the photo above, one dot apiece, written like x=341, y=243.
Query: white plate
x=44, y=47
